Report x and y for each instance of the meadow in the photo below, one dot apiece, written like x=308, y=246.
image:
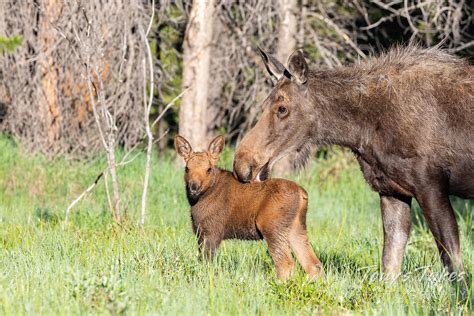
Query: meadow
x=94, y=266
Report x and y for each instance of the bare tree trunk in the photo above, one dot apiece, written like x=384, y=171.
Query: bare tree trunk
x=109, y=138
x=161, y=128
x=287, y=35
x=197, y=61
x=288, y=28
x=113, y=172
x=146, y=118
x=49, y=82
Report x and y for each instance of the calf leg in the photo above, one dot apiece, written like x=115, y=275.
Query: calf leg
x=208, y=242
x=304, y=252
x=396, y=218
x=299, y=242
x=208, y=247
x=279, y=249
x=281, y=255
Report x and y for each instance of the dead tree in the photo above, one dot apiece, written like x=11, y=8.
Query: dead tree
x=89, y=45
x=287, y=43
x=47, y=107
x=196, y=72
x=51, y=112
x=147, y=103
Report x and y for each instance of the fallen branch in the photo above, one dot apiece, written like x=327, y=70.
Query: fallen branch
x=86, y=191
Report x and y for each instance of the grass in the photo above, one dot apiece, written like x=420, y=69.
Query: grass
x=92, y=266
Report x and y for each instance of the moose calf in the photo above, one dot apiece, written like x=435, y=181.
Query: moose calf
x=224, y=208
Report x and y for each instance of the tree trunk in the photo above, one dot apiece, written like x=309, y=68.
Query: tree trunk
x=160, y=129
x=196, y=63
x=49, y=81
x=287, y=35
x=288, y=29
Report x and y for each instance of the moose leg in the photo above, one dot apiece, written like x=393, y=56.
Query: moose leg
x=281, y=255
x=442, y=222
x=304, y=252
x=299, y=242
x=208, y=242
x=396, y=218
x=440, y=217
x=209, y=247
x=279, y=249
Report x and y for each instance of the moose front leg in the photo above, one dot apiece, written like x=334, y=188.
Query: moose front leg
x=439, y=214
x=396, y=218
x=442, y=222
x=208, y=247
x=208, y=240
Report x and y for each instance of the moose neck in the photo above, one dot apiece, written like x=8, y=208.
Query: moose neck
x=341, y=116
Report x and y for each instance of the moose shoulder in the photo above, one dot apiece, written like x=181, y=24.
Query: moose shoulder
x=407, y=115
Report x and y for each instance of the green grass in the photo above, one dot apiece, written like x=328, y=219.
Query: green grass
x=92, y=266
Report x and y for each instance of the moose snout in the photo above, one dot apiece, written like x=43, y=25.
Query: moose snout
x=194, y=187
x=243, y=168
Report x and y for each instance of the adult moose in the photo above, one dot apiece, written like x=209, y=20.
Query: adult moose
x=407, y=115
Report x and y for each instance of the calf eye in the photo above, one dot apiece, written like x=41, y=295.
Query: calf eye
x=186, y=169
x=209, y=170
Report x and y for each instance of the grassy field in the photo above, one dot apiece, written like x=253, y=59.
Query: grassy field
x=92, y=266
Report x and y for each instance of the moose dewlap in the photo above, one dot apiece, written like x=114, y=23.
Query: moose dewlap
x=224, y=208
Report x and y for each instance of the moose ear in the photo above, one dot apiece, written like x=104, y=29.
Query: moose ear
x=183, y=147
x=298, y=67
x=216, y=147
x=274, y=67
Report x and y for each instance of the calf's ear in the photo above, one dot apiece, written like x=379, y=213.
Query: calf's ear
x=183, y=147
x=274, y=67
x=298, y=67
x=216, y=147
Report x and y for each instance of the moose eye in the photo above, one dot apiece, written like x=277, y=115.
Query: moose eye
x=186, y=169
x=282, y=111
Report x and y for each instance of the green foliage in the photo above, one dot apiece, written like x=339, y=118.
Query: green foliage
x=171, y=37
x=167, y=49
x=94, y=267
x=9, y=44
x=313, y=52
x=172, y=62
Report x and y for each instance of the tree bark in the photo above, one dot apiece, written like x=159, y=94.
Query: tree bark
x=49, y=81
x=287, y=35
x=196, y=63
x=288, y=29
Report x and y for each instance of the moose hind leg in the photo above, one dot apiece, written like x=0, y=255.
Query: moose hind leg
x=304, y=252
x=396, y=218
x=280, y=252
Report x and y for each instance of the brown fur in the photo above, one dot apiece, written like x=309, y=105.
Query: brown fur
x=408, y=117
x=223, y=208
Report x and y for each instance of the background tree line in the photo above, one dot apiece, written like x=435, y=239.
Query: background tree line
x=206, y=48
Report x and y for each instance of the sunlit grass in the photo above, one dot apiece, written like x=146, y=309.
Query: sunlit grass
x=92, y=266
